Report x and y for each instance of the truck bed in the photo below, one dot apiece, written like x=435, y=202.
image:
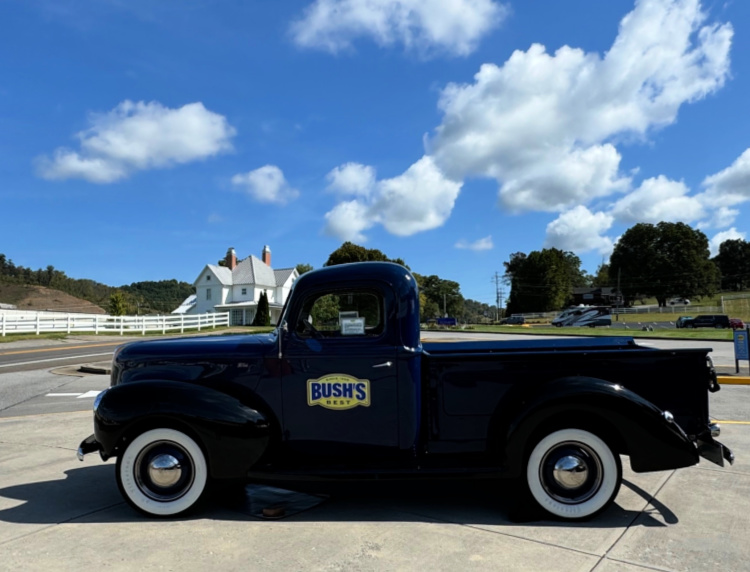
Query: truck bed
x=468, y=380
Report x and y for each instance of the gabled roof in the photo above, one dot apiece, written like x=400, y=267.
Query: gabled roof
x=282, y=275
x=252, y=270
x=222, y=273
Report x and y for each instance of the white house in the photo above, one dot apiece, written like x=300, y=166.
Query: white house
x=236, y=287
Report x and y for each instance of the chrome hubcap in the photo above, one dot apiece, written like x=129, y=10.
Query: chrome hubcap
x=570, y=472
x=164, y=470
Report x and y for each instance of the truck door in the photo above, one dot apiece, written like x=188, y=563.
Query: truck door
x=340, y=381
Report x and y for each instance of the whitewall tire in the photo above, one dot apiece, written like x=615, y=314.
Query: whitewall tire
x=162, y=472
x=573, y=474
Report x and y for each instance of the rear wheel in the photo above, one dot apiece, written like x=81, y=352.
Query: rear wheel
x=162, y=472
x=573, y=474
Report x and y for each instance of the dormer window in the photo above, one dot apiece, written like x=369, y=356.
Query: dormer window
x=244, y=291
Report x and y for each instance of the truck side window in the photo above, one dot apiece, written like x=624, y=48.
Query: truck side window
x=342, y=314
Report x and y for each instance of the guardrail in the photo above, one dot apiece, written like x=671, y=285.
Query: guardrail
x=73, y=323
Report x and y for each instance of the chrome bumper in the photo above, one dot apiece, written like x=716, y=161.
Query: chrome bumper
x=713, y=451
x=88, y=445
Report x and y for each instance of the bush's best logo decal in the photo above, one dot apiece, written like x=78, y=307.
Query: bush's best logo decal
x=338, y=391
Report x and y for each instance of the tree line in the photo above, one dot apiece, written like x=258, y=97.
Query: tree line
x=139, y=297
x=437, y=296
x=663, y=261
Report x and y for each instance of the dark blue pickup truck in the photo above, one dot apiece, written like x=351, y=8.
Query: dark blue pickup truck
x=345, y=389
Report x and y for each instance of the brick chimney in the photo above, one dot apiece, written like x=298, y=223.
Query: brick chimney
x=266, y=255
x=231, y=259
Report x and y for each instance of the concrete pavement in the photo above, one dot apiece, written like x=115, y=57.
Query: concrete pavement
x=59, y=514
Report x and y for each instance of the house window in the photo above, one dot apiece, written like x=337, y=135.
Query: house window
x=244, y=291
x=208, y=293
x=208, y=277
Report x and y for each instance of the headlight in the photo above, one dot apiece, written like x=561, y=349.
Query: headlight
x=98, y=399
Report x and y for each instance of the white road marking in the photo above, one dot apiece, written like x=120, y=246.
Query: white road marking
x=87, y=395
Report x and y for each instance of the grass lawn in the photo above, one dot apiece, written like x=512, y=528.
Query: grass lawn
x=26, y=336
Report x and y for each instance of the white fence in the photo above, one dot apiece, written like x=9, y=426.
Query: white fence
x=43, y=322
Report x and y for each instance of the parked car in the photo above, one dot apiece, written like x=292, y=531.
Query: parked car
x=364, y=398
x=680, y=322
x=513, y=320
x=679, y=302
x=736, y=324
x=708, y=321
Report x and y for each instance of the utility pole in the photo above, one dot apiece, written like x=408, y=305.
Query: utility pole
x=619, y=294
x=498, y=295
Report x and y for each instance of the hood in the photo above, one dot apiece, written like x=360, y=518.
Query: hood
x=196, y=359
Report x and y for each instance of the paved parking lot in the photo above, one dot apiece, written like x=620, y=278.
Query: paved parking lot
x=59, y=514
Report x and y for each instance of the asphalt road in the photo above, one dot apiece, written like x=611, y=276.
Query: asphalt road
x=31, y=354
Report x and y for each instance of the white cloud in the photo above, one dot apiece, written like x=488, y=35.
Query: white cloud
x=731, y=234
x=720, y=218
x=658, y=199
x=732, y=185
x=348, y=220
x=352, y=179
x=266, y=185
x=425, y=26
x=580, y=230
x=420, y=199
x=478, y=245
x=139, y=136
x=545, y=125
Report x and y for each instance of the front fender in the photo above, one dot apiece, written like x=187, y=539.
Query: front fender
x=233, y=435
x=632, y=425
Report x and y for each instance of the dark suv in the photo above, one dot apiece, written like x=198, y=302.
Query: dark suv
x=708, y=321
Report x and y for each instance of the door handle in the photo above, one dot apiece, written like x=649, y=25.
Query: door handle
x=386, y=364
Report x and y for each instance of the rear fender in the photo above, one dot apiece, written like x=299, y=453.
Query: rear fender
x=630, y=424
x=233, y=435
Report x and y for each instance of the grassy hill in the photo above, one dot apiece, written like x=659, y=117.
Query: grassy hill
x=29, y=297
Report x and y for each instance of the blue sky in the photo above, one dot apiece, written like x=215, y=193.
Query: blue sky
x=140, y=140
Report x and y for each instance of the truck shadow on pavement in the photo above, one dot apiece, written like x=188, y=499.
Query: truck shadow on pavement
x=90, y=494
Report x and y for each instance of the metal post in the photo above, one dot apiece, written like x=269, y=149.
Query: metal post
x=37, y=323
x=3, y=322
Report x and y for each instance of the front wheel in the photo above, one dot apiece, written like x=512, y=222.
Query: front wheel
x=573, y=474
x=162, y=472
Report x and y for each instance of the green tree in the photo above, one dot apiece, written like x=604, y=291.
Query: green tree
x=733, y=261
x=302, y=268
x=350, y=252
x=441, y=297
x=542, y=281
x=262, y=314
x=117, y=304
x=601, y=278
x=663, y=260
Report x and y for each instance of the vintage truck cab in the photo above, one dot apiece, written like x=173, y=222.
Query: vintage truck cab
x=345, y=388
